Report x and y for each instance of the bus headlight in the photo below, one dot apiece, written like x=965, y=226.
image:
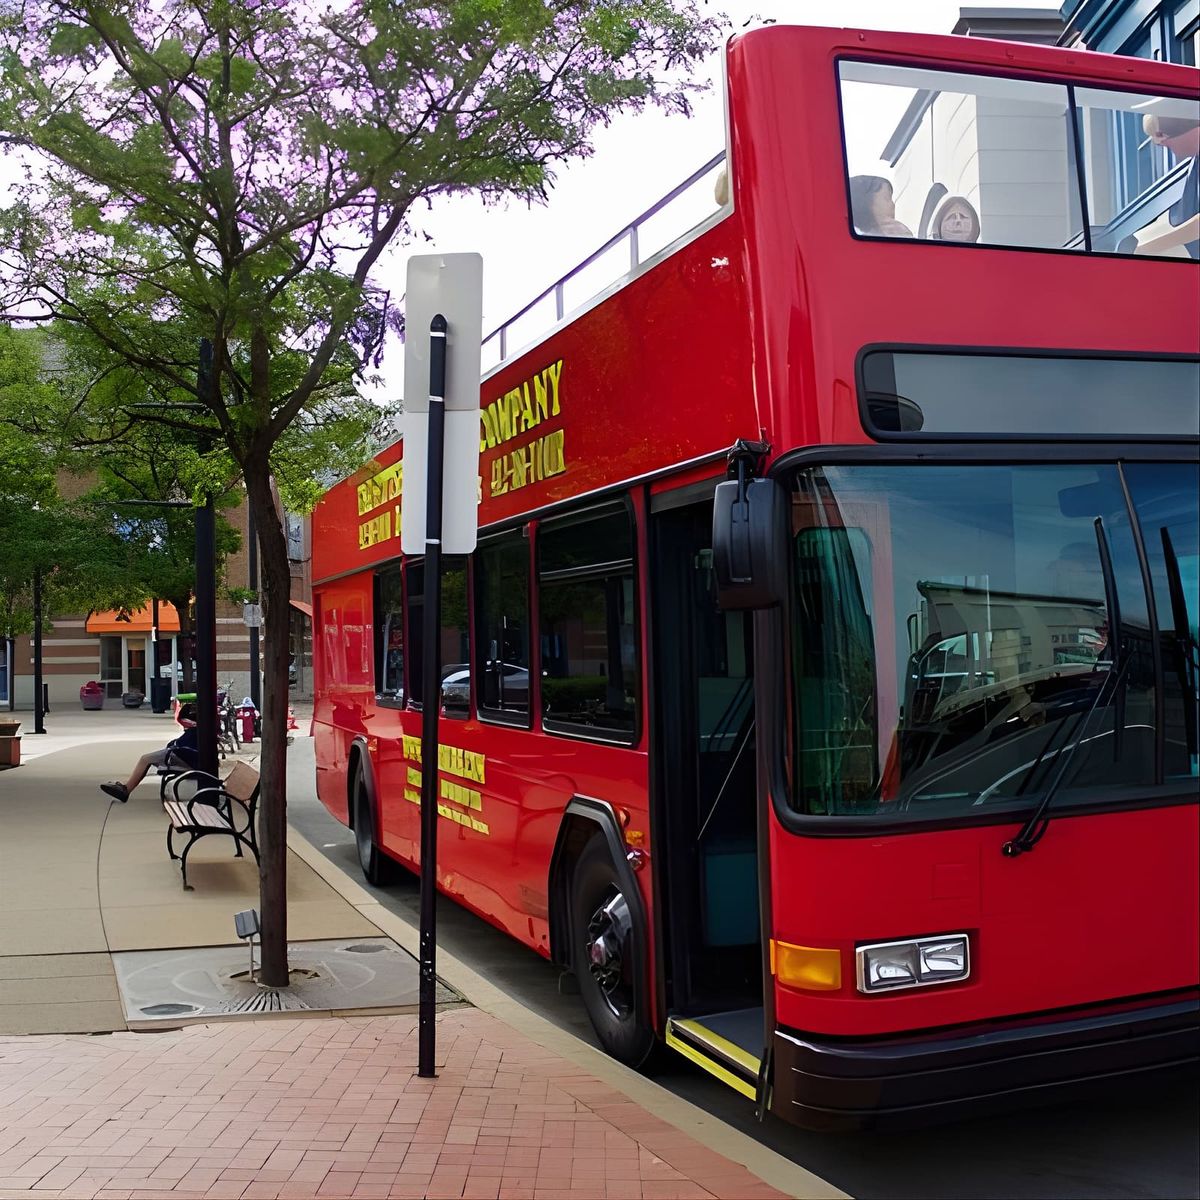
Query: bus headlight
x=919, y=962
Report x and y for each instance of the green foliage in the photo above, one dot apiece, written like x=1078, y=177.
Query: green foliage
x=234, y=172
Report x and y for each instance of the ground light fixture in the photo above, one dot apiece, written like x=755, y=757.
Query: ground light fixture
x=917, y=962
x=247, y=927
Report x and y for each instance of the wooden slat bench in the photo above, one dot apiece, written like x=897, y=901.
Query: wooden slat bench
x=227, y=806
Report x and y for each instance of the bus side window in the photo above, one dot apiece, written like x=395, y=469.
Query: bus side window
x=389, y=634
x=454, y=642
x=502, y=625
x=588, y=624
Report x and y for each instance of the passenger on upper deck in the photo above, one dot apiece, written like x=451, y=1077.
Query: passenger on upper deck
x=1180, y=135
x=955, y=221
x=873, y=209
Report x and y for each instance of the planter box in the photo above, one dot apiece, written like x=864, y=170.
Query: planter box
x=8, y=728
x=10, y=750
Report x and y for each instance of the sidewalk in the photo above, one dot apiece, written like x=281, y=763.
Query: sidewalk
x=81, y=879
x=285, y=1107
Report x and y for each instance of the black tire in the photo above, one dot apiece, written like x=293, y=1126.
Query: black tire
x=609, y=976
x=377, y=868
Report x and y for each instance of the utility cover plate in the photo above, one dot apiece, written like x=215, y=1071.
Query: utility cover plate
x=168, y=988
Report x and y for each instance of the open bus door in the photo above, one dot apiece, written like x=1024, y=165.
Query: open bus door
x=705, y=792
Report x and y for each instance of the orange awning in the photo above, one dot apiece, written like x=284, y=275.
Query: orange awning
x=306, y=609
x=134, y=620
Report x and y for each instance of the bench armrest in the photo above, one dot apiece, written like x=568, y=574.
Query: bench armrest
x=223, y=802
x=203, y=777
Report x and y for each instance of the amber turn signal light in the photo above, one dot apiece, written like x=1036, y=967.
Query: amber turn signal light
x=810, y=968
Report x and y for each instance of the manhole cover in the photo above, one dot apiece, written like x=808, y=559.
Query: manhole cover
x=170, y=1010
x=366, y=948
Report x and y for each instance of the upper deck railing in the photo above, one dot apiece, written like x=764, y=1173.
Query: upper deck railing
x=632, y=250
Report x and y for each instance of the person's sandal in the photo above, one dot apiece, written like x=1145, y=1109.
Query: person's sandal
x=118, y=791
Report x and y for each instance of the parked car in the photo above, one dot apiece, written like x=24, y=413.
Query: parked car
x=503, y=683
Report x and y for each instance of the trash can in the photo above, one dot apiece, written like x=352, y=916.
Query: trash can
x=245, y=716
x=160, y=695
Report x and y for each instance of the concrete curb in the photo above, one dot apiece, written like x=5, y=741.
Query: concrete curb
x=709, y=1131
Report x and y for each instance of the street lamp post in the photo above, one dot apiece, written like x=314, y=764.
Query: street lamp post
x=39, y=711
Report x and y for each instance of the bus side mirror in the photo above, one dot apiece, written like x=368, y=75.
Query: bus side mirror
x=750, y=543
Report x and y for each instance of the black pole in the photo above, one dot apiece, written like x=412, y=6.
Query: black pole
x=206, y=603
x=152, y=664
x=431, y=695
x=252, y=550
x=39, y=712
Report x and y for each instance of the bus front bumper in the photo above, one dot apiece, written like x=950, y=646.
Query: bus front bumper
x=896, y=1082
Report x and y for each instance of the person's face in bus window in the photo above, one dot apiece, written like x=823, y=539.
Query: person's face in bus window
x=957, y=224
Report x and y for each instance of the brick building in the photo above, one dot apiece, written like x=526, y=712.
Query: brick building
x=115, y=648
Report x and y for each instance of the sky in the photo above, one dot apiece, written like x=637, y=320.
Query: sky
x=638, y=159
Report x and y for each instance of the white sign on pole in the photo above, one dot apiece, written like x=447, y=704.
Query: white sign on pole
x=252, y=615
x=450, y=284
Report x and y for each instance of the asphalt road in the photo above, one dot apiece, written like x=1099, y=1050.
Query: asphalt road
x=1121, y=1144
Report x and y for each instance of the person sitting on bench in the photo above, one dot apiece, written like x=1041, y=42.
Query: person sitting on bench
x=181, y=752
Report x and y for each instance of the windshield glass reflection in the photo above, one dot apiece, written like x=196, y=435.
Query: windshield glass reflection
x=955, y=642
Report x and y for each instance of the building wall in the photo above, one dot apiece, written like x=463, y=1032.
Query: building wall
x=1006, y=155
x=1168, y=30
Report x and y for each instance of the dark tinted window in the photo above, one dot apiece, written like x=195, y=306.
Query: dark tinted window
x=921, y=393
x=587, y=624
x=502, y=607
x=455, y=644
x=1165, y=497
x=389, y=634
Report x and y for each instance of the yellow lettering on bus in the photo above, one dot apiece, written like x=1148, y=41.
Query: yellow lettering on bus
x=381, y=488
x=519, y=410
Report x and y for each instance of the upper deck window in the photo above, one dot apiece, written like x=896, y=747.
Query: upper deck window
x=986, y=160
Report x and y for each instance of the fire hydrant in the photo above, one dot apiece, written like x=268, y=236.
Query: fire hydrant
x=245, y=715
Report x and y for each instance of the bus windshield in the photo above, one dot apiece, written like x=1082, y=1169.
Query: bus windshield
x=956, y=632
x=988, y=160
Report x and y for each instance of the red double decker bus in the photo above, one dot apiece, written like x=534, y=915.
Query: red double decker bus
x=823, y=689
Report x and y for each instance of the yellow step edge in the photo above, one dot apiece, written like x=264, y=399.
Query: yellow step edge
x=714, y=1041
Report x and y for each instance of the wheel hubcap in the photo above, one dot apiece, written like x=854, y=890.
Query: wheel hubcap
x=607, y=952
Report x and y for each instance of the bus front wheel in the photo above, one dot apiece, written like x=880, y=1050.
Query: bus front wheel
x=608, y=955
x=376, y=866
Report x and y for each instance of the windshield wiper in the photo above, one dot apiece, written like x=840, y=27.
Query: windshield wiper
x=1035, y=827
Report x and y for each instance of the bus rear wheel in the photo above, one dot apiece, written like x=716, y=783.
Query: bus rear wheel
x=377, y=868
x=608, y=954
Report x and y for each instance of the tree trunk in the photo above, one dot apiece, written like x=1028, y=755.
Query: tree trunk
x=276, y=583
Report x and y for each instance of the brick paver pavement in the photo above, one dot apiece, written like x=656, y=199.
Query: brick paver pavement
x=333, y=1107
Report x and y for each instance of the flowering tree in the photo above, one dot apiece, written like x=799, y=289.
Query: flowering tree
x=235, y=170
